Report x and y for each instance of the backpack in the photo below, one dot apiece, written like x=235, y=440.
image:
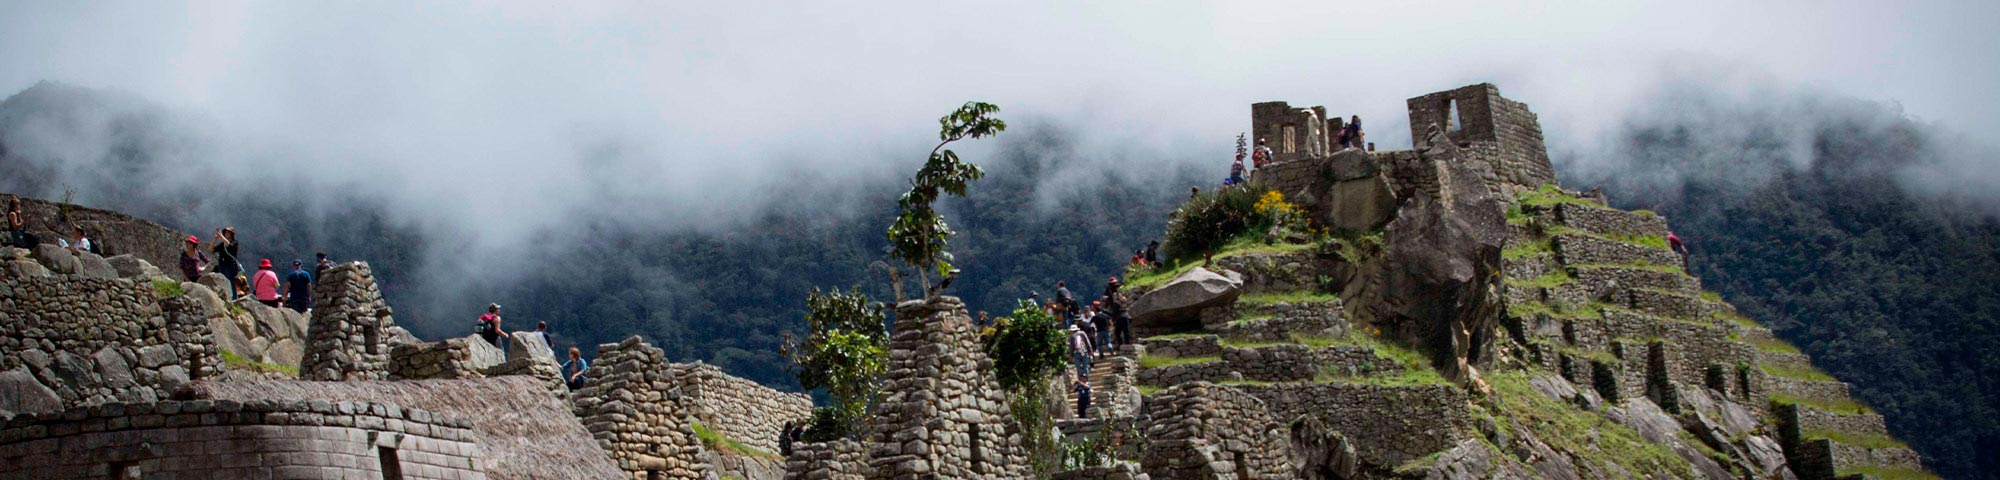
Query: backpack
x=482, y=327
x=97, y=247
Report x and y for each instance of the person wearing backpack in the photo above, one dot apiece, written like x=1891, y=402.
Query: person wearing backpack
x=82, y=242
x=489, y=327
x=265, y=285
x=225, y=259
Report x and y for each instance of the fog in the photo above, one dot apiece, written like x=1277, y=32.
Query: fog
x=497, y=126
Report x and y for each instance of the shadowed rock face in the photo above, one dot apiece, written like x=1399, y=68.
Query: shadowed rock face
x=1444, y=260
x=1181, y=300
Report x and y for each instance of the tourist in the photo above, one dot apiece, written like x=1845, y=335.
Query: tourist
x=1351, y=135
x=1235, y=172
x=785, y=439
x=79, y=242
x=242, y=287
x=298, y=288
x=320, y=266
x=1123, y=323
x=1079, y=348
x=1104, y=344
x=1153, y=252
x=1674, y=242
x=572, y=370
x=192, y=260
x=1262, y=156
x=489, y=327
x=1084, y=317
x=1067, y=299
x=265, y=284
x=1139, y=258
x=1082, y=389
x=17, y=224
x=225, y=259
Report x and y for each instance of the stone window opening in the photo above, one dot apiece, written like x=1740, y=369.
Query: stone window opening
x=1451, y=116
x=1291, y=144
x=372, y=336
x=392, y=469
x=656, y=475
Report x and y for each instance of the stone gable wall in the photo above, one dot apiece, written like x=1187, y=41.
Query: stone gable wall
x=738, y=408
x=942, y=413
x=633, y=409
x=238, y=440
x=349, y=335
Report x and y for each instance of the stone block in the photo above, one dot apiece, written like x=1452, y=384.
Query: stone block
x=58, y=260
x=20, y=394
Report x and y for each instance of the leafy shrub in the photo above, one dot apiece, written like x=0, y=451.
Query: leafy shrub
x=845, y=352
x=1026, y=347
x=1208, y=221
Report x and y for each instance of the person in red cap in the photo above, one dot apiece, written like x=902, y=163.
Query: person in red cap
x=192, y=260
x=265, y=285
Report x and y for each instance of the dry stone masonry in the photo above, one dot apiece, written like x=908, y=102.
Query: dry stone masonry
x=349, y=337
x=737, y=408
x=636, y=414
x=942, y=413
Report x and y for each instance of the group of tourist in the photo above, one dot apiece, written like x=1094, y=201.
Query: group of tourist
x=18, y=236
x=1095, y=330
x=488, y=327
x=1349, y=136
x=294, y=292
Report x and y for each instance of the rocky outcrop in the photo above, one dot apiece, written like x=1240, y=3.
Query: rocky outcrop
x=1181, y=300
x=1444, y=257
x=120, y=233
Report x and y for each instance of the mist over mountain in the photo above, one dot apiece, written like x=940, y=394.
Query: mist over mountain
x=1846, y=226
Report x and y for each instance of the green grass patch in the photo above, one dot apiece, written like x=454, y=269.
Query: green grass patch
x=1797, y=373
x=1596, y=355
x=1148, y=390
x=237, y=362
x=1553, y=279
x=1549, y=196
x=1845, y=406
x=1240, y=343
x=1293, y=297
x=1888, y=473
x=1419, y=466
x=1528, y=249
x=716, y=440
x=164, y=288
x=1150, y=277
x=1774, y=345
x=1177, y=336
x=1156, y=361
x=1711, y=296
x=1568, y=428
x=1863, y=440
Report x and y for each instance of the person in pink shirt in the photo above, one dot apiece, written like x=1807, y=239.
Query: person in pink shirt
x=265, y=284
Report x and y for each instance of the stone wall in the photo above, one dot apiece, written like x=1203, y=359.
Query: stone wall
x=1307, y=127
x=1388, y=425
x=739, y=408
x=239, y=440
x=1605, y=221
x=942, y=413
x=1195, y=346
x=83, y=341
x=349, y=336
x=1506, y=135
x=1577, y=249
x=633, y=410
x=835, y=460
x=1206, y=431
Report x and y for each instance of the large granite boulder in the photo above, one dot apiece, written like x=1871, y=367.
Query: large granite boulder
x=94, y=266
x=58, y=260
x=286, y=351
x=485, y=355
x=215, y=282
x=531, y=345
x=20, y=393
x=1182, y=299
x=277, y=323
x=1442, y=276
x=20, y=263
x=128, y=266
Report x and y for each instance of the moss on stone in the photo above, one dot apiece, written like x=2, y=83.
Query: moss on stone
x=165, y=288
x=237, y=362
x=1567, y=428
x=1156, y=361
x=717, y=441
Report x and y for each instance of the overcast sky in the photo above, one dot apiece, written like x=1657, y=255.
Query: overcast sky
x=511, y=112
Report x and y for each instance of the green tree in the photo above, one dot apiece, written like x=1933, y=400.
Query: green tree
x=1026, y=348
x=845, y=352
x=919, y=235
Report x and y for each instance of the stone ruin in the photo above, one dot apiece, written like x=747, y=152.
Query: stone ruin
x=349, y=334
x=634, y=411
x=942, y=413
